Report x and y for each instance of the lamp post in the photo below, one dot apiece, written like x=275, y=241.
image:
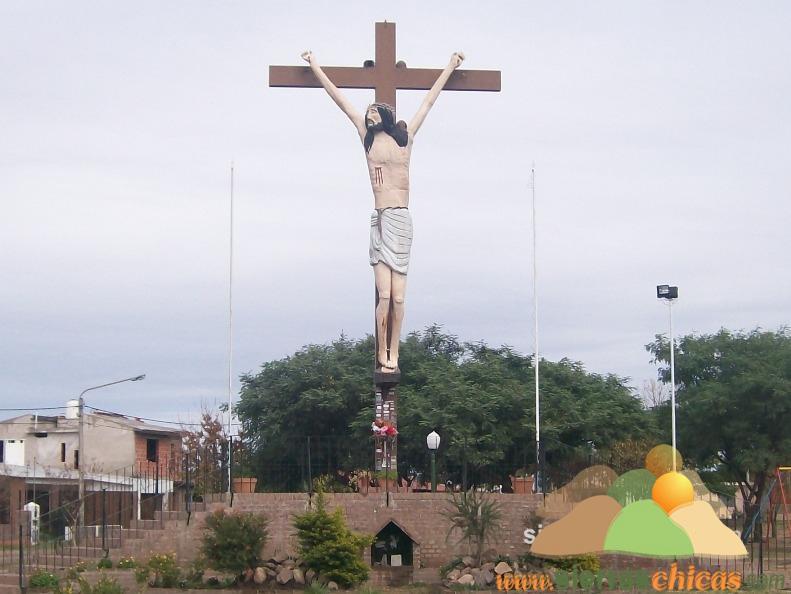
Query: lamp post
x=81, y=441
x=432, y=441
x=670, y=293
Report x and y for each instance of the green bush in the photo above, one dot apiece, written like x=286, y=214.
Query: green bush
x=328, y=546
x=105, y=563
x=160, y=571
x=44, y=580
x=126, y=563
x=580, y=562
x=233, y=542
x=105, y=585
x=74, y=571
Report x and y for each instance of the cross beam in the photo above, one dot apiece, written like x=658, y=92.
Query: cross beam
x=384, y=74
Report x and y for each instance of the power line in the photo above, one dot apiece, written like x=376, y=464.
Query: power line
x=149, y=419
x=32, y=408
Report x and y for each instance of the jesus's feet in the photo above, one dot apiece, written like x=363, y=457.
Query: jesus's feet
x=382, y=359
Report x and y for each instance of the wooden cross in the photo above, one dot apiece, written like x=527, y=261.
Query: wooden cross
x=384, y=74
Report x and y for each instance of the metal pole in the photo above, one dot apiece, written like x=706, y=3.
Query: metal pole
x=672, y=382
x=230, y=335
x=310, y=471
x=80, y=465
x=433, y=471
x=81, y=458
x=539, y=465
x=104, y=521
x=22, y=585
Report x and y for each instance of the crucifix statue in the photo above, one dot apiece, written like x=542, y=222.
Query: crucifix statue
x=387, y=143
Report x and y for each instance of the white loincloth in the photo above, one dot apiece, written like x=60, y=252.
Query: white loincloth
x=391, y=238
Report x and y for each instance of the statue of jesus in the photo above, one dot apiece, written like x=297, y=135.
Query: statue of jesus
x=388, y=146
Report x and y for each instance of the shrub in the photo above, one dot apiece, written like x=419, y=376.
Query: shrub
x=581, y=562
x=233, y=542
x=104, y=563
x=164, y=569
x=476, y=517
x=105, y=585
x=74, y=571
x=159, y=571
x=44, y=580
x=126, y=563
x=328, y=546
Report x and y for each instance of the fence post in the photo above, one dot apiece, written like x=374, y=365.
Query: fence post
x=104, y=521
x=230, y=467
x=188, y=493
x=310, y=472
x=22, y=584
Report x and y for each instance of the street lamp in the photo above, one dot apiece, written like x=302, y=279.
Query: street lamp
x=81, y=440
x=432, y=441
x=670, y=293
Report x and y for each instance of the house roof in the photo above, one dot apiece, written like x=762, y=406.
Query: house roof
x=135, y=424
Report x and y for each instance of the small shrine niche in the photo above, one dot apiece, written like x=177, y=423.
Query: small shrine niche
x=392, y=547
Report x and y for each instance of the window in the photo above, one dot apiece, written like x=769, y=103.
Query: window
x=151, y=450
x=63, y=452
x=2, y=451
x=76, y=458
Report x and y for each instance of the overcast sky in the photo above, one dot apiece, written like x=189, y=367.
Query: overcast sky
x=660, y=133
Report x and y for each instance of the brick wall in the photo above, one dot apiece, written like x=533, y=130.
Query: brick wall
x=169, y=458
x=418, y=514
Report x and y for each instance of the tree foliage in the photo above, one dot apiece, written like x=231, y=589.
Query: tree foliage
x=328, y=546
x=734, y=403
x=476, y=517
x=480, y=399
x=233, y=542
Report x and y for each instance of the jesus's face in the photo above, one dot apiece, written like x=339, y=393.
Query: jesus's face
x=372, y=117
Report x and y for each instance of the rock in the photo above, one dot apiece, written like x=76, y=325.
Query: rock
x=279, y=557
x=488, y=566
x=270, y=572
x=259, y=577
x=502, y=567
x=466, y=580
x=468, y=561
x=466, y=571
x=299, y=577
x=310, y=575
x=453, y=575
x=490, y=555
x=270, y=565
x=474, y=572
x=605, y=583
x=322, y=579
x=285, y=576
x=289, y=563
x=248, y=575
x=299, y=562
x=332, y=586
x=484, y=578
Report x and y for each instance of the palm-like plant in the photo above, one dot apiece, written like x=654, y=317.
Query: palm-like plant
x=476, y=516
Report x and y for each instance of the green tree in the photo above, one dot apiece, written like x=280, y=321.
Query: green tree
x=734, y=403
x=480, y=399
x=328, y=546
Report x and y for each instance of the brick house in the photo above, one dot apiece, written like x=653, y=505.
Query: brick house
x=136, y=464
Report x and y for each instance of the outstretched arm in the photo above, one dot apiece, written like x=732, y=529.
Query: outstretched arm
x=333, y=92
x=455, y=61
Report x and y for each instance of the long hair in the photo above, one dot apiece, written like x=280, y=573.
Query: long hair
x=396, y=130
